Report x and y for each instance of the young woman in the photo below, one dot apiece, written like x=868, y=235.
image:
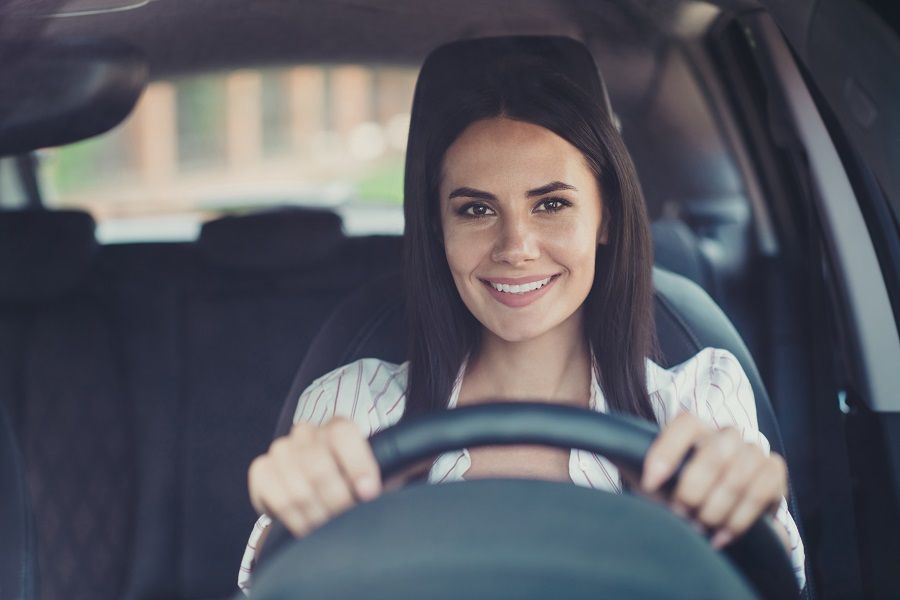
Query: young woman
x=528, y=263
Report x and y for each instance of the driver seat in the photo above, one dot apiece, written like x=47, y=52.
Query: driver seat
x=371, y=323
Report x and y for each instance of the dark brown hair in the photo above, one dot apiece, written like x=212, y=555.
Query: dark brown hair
x=618, y=310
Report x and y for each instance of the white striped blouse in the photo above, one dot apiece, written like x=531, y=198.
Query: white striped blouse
x=371, y=393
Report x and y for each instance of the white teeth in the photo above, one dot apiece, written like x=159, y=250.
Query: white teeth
x=521, y=289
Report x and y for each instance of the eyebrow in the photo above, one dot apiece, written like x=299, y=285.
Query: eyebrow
x=554, y=186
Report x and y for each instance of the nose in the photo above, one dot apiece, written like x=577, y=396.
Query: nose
x=516, y=243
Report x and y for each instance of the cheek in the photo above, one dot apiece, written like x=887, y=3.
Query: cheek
x=463, y=252
x=575, y=246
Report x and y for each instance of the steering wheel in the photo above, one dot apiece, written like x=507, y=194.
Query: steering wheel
x=502, y=538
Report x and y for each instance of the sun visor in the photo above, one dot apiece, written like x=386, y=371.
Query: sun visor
x=55, y=92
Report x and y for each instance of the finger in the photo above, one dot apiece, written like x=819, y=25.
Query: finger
x=354, y=457
x=303, y=432
x=327, y=481
x=269, y=496
x=668, y=450
x=729, y=488
x=256, y=482
x=766, y=488
x=287, y=457
x=706, y=467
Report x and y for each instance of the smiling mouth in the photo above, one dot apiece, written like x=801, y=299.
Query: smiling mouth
x=519, y=289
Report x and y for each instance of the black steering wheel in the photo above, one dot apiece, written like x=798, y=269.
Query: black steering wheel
x=502, y=538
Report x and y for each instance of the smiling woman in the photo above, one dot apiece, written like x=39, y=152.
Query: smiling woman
x=509, y=128
x=528, y=270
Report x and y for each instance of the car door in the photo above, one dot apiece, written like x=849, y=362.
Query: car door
x=818, y=86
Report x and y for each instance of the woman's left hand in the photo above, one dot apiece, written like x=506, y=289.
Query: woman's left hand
x=726, y=485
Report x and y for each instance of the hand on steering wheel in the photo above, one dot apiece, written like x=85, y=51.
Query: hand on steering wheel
x=726, y=483
x=626, y=441
x=313, y=474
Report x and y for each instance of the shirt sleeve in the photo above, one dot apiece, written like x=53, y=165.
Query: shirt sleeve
x=248, y=562
x=365, y=392
x=728, y=402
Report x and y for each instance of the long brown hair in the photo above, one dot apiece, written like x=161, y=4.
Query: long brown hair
x=618, y=310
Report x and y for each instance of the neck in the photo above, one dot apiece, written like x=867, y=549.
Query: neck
x=554, y=367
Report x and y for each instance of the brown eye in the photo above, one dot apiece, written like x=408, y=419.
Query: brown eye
x=476, y=210
x=552, y=205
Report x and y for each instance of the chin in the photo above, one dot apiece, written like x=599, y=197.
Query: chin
x=518, y=333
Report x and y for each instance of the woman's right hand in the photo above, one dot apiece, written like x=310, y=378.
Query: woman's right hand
x=313, y=474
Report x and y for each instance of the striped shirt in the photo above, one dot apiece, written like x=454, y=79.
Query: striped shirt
x=372, y=393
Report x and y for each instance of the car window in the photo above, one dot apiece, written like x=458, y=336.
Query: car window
x=204, y=145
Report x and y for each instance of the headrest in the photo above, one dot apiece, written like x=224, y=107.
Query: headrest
x=459, y=63
x=278, y=239
x=677, y=249
x=43, y=253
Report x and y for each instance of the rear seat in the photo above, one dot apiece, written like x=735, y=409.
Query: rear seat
x=261, y=288
x=143, y=379
x=68, y=400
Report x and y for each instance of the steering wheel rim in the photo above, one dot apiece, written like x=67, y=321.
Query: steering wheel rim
x=758, y=555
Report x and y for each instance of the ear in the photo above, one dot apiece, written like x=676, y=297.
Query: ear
x=603, y=234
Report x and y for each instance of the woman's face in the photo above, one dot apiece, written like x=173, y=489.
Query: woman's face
x=521, y=215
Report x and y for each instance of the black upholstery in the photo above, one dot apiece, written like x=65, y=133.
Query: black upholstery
x=66, y=394
x=678, y=250
x=44, y=254
x=275, y=239
x=245, y=327
x=18, y=556
x=142, y=379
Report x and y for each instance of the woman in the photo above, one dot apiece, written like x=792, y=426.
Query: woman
x=528, y=265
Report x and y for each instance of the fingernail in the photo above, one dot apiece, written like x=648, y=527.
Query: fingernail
x=721, y=539
x=366, y=488
x=654, y=473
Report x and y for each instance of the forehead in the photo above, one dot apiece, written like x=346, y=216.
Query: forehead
x=503, y=151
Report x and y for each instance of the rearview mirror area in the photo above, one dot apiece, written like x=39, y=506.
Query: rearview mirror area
x=55, y=92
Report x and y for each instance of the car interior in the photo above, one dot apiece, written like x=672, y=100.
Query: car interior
x=140, y=376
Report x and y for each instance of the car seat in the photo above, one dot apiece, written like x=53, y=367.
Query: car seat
x=18, y=558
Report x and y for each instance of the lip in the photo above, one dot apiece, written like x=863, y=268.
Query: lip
x=519, y=300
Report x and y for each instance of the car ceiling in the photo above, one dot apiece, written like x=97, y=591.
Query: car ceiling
x=627, y=37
